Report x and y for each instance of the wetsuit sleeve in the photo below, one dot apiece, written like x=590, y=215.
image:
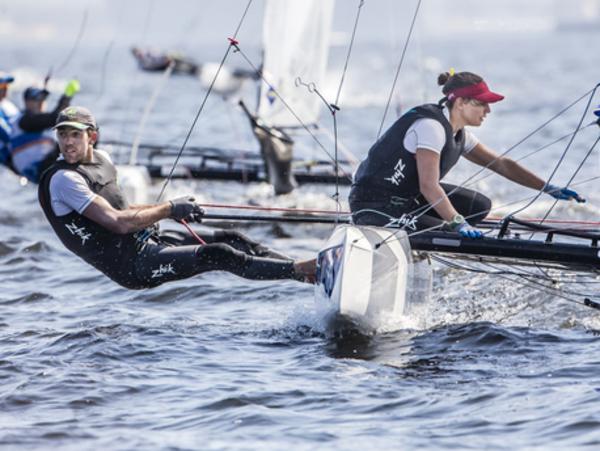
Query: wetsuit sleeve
x=68, y=192
x=37, y=122
x=425, y=134
x=470, y=141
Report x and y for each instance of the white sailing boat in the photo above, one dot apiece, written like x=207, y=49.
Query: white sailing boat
x=282, y=106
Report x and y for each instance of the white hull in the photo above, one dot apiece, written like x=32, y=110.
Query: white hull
x=365, y=274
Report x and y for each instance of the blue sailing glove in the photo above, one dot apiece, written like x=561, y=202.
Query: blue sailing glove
x=562, y=193
x=468, y=231
x=458, y=224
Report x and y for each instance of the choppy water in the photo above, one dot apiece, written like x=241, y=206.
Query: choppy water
x=217, y=362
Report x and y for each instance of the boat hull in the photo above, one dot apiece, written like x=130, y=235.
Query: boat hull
x=363, y=274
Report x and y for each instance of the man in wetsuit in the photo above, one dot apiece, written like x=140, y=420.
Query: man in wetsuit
x=87, y=210
x=33, y=147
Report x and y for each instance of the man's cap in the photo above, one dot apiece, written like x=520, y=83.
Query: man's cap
x=478, y=91
x=76, y=117
x=33, y=93
x=6, y=78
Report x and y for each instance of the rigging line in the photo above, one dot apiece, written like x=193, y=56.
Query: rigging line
x=232, y=43
x=387, y=106
x=524, y=157
x=338, y=206
x=133, y=81
x=151, y=101
x=350, y=46
x=333, y=109
x=290, y=109
x=469, y=266
x=571, y=179
x=331, y=212
x=352, y=160
x=439, y=226
x=532, y=277
x=103, y=72
x=104, y=64
x=281, y=209
x=530, y=284
x=149, y=13
x=510, y=149
x=564, y=154
x=76, y=44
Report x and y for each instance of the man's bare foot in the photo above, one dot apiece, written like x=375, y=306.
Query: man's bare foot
x=306, y=270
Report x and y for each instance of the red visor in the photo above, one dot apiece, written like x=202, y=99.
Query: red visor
x=479, y=91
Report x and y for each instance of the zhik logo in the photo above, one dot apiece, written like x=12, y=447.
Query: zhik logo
x=162, y=270
x=79, y=231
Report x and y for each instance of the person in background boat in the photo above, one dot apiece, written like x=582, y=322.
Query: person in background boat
x=33, y=147
x=399, y=183
x=86, y=208
x=153, y=61
x=7, y=110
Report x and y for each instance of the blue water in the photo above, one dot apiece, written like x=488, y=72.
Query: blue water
x=218, y=362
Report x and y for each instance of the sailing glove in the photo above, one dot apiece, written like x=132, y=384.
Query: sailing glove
x=186, y=208
x=72, y=88
x=468, y=231
x=562, y=193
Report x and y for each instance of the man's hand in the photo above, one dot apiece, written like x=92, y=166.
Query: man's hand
x=72, y=88
x=186, y=208
x=562, y=193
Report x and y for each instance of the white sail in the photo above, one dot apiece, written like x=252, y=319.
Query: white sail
x=296, y=44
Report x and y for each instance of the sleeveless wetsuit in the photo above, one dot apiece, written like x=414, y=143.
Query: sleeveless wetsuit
x=385, y=191
x=147, y=259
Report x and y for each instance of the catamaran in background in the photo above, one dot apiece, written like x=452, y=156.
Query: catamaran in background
x=285, y=112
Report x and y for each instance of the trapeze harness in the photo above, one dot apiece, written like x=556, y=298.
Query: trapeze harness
x=385, y=191
x=147, y=259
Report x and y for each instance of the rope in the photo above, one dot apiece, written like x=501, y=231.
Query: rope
x=162, y=81
x=310, y=86
x=564, y=154
x=232, y=43
x=350, y=46
x=103, y=72
x=76, y=44
x=530, y=283
x=589, y=152
x=538, y=150
x=194, y=234
x=387, y=106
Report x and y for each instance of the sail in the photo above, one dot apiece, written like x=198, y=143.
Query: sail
x=296, y=44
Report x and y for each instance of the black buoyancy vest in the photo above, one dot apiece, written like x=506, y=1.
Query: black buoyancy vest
x=109, y=252
x=391, y=170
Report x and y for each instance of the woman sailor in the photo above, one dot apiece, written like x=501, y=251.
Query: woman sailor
x=399, y=183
